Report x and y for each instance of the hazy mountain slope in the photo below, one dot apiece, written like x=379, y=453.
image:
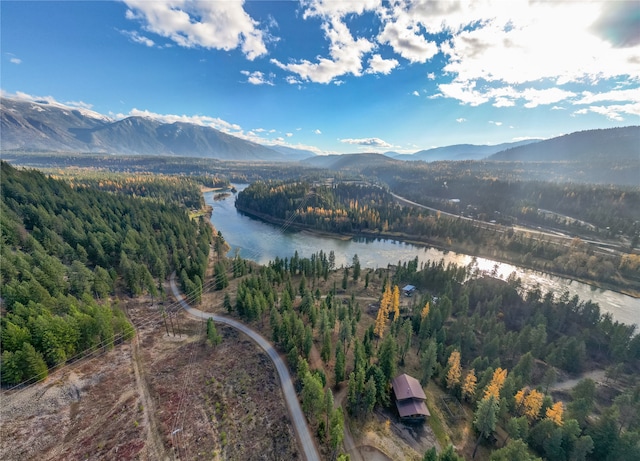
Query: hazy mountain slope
x=462, y=151
x=349, y=161
x=619, y=144
x=44, y=126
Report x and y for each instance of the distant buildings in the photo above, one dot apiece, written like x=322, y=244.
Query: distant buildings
x=410, y=399
x=408, y=290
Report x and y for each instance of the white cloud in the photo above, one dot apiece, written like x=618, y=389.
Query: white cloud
x=615, y=112
x=345, y=51
x=15, y=60
x=81, y=106
x=557, y=108
x=370, y=142
x=495, y=123
x=431, y=76
x=403, y=33
x=135, y=37
x=288, y=135
x=615, y=95
x=415, y=93
x=379, y=65
x=292, y=80
x=516, y=44
x=202, y=120
x=543, y=97
x=212, y=25
x=316, y=131
x=461, y=120
x=465, y=92
x=257, y=78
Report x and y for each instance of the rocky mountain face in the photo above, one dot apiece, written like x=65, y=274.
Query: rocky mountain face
x=52, y=127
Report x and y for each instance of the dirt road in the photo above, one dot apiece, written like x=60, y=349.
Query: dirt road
x=299, y=422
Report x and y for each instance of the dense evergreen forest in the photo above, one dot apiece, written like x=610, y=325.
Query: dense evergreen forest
x=66, y=249
x=488, y=344
x=364, y=209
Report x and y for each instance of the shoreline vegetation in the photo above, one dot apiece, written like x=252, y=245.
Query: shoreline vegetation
x=462, y=249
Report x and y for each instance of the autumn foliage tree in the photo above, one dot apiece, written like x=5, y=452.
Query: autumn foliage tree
x=496, y=383
x=469, y=385
x=530, y=402
x=455, y=372
x=555, y=412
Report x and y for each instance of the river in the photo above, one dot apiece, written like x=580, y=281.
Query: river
x=263, y=242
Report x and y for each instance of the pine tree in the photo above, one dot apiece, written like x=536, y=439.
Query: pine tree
x=485, y=419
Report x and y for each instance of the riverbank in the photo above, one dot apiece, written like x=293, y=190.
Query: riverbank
x=495, y=254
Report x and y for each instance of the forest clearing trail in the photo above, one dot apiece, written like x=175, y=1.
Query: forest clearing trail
x=155, y=447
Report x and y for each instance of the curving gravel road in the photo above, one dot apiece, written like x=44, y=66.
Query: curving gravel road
x=295, y=411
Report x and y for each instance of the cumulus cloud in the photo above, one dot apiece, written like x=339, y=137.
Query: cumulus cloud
x=495, y=123
x=135, y=37
x=212, y=25
x=15, y=60
x=316, y=131
x=345, y=51
x=288, y=135
x=258, y=78
x=516, y=44
x=379, y=65
x=415, y=93
x=403, y=33
x=461, y=120
x=369, y=142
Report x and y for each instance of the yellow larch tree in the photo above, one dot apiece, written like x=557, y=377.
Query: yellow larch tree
x=533, y=404
x=519, y=398
x=395, y=302
x=554, y=413
x=455, y=372
x=497, y=381
x=383, y=312
x=469, y=385
x=381, y=322
x=425, y=311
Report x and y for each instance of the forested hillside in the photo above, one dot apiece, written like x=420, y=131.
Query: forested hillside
x=488, y=344
x=66, y=250
x=369, y=210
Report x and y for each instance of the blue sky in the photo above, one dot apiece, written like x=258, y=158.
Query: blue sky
x=335, y=77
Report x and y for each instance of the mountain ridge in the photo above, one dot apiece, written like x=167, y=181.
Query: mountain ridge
x=44, y=126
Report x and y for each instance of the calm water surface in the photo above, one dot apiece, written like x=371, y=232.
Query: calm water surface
x=262, y=242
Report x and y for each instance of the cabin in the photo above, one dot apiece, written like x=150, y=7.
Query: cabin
x=409, y=398
x=408, y=290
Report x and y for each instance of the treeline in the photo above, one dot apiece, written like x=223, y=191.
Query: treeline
x=493, y=346
x=604, y=210
x=360, y=208
x=65, y=251
x=182, y=190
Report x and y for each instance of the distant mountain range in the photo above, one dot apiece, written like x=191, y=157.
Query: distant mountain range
x=461, y=151
x=620, y=144
x=53, y=127
x=47, y=126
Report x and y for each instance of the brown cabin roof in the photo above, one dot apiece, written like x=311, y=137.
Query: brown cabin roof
x=407, y=387
x=412, y=407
